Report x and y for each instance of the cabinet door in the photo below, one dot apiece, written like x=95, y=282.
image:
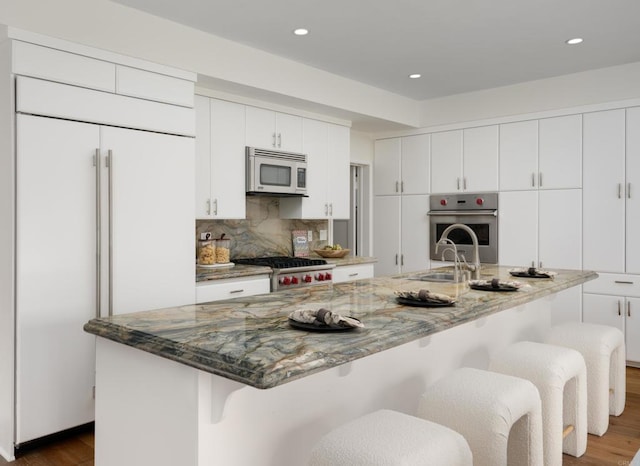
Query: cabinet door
x=518, y=155
x=415, y=233
x=632, y=329
x=338, y=169
x=203, y=158
x=603, y=197
x=480, y=160
x=415, y=164
x=633, y=191
x=288, y=132
x=560, y=229
x=386, y=243
x=56, y=291
x=446, y=162
x=228, y=185
x=152, y=219
x=518, y=228
x=315, y=145
x=386, y=167
x=603, y=310
x=260, y=128
x=560, y=158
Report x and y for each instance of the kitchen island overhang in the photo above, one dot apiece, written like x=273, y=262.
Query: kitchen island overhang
x=250, y=341
x=167, y=405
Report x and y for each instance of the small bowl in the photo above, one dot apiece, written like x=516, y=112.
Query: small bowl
x=332, y=253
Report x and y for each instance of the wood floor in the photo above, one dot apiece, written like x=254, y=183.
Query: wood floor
x=616, y=448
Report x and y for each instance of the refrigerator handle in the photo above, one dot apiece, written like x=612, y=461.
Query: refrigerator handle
x=110, y=165
x=96, y=163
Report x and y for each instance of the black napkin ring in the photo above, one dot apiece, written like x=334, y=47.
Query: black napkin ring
x=495, y=283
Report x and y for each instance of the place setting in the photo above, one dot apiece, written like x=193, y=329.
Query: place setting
x=424, y=298
x=532, y=272
x=495, y=284
x=322, y=320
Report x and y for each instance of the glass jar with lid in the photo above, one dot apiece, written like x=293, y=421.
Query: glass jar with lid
x=223, y=251
x=206, y=252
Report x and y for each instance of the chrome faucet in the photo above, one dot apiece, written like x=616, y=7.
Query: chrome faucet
x=458, y=276
x=475, y=267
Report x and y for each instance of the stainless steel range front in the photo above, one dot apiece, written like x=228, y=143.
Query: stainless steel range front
x=478, y=211
x=293, y=272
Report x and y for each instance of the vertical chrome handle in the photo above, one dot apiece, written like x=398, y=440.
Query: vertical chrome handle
x=464, y=183
x=619, y=190
x=273, y=139
x=397, y=184
x=209, y=206
x=279, y=139
x=533, y=180
x=331, y=208
x=628, y=190
x=628, y=309
x=533, y=263
x=402, y=186
x=540, y=264
x=96, y=163
x=458, y=183
x=109, y=164
x=215, y=207
x=619, y=308
x=401, y=259
x=326, y=209
x=396, y=259
x=540, y=179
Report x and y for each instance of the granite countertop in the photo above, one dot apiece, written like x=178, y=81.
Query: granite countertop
x=239, y=270
x=249, y=339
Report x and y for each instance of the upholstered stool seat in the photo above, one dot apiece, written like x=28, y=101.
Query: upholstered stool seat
x=499, y=415
x=560, y=375
x=386, y=438
x=603, y=350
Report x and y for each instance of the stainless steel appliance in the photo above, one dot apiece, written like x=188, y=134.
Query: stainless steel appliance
x=477, y=211
x=276, y=172
x=293, y=272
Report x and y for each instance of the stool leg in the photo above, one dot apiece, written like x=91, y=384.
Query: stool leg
x=617, y=381
x=574, y=414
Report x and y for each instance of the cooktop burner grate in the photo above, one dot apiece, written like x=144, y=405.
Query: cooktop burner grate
x=281, y=262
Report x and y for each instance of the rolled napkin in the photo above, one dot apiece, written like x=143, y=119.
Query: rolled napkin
x=324, y=316
x=426, y=296
x=532, y=272
x=495, y=283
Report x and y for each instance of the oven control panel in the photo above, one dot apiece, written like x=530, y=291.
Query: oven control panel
x=466, y=201
x=286, y=280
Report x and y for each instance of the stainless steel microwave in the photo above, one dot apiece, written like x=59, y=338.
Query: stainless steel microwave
x=276, y=172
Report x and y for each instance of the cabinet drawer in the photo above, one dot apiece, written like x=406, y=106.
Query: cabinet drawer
x=614, y=284
x=216, y=290
x=352, y=272
x=153, y=86
x=69, y=68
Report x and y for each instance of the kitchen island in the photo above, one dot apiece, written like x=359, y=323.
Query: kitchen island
x=231, y=383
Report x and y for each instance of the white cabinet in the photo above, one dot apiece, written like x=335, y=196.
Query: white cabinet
x=216, y=290
x=327, y=146
x=541, y=154
x=465, y=160
x=220, y=159
x=401, y=165
x=614, y=299
x=104, y=224
x=541, y=228
x=346, y=273
x=632, y=200
x=273, y=130
x=604, y=191
x=401, y=227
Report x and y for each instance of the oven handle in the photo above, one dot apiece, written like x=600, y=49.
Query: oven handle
x=473, y=213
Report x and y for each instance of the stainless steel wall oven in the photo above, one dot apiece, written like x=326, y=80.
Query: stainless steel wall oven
x=478, y=211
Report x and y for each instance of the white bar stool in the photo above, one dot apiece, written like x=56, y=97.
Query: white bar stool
x=499, y=415
x=603, y=350
x=560, y=374
x=386, y=438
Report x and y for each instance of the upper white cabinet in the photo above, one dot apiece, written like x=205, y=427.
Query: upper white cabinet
x=604, y=191
x=541, y=154
x=401, y=165
x=465, y=160
x=632, y=191
x=220, y=159
x=273, y=130
x=327, y=146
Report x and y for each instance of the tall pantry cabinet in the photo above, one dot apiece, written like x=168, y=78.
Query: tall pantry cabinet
x=103, y=219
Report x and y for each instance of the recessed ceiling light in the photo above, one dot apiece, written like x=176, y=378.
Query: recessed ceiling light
x=415, y=75
x=574, y=41
x=301, y=32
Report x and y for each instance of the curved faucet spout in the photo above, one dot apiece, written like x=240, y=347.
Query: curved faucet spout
x=474, y=239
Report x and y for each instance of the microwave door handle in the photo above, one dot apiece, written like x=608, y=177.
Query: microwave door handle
x=472, y=213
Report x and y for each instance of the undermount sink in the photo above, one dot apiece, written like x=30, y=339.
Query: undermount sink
x=435, y=277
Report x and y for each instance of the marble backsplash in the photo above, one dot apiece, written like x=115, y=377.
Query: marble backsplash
x=263, y=232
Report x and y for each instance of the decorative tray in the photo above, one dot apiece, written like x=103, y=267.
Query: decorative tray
x=332, y=253
x=317, y=327
x=420, y=303
x=216, y=266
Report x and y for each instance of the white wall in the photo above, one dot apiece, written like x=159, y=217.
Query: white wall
x=110, y=26
x=585, y=88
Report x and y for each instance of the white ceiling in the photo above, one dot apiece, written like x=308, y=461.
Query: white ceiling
x=457, y=45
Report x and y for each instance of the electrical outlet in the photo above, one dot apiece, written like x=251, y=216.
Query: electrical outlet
x=205, y=236
x=309, y=235
x=323, y=235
